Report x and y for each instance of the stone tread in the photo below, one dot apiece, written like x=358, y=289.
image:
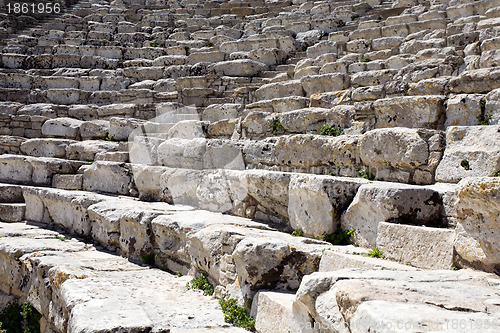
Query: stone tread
x=96, y=291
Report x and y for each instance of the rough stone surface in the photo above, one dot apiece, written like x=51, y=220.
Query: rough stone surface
x=471, y=151
x=390, y=202
x=430, y=248
x=365, y=300
x=477, y=203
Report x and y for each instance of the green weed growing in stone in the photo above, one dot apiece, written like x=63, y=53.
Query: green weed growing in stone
x=275, y=126
x=154, y=43
x=202, y=283
x=16, y=318
x=339, y=237
x=331, y=130
x=236, y=315
x=485, y=117
x=209, y=43
x=365, y=59
x=298, y=233
x=375, y=253
x=187, y=48
x=64, y=238
x=148, y=258
x=364, y=173
x=179, y=274
x=465, y=164
x=496, y=174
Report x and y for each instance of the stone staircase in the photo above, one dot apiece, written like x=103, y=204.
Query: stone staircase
x=186, y=137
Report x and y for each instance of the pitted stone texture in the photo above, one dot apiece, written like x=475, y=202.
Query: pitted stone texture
x=354, y=300
x=317, y=202
x=402, y=154
x=430, y=248
x=46, y=147
x=410, y=111
x=109, y=177
x=477, y=205
x=79, y=289
x=471, y=151
x=243, y=67
x=67, y=128
x=390, y=202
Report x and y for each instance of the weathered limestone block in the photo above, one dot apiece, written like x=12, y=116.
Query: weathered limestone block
x=471, y=151
x=304, y=152
x=390, y=202
x=279, y=89
x=216, y=112
x=492, y=106
x=94, y=129
x=476, y=206
x=463, y=110
x=147, y=181
x=476, y=81
x=341, y=257
x=242, y=67
x=187, y=129
x=46, y=147
x=386, y=43
x=121, y=129
x=224, y=154
x=324, y=83
x=372, y=78
x=12, y=212
x=11, y=193
x=67, y=128
x=204, y=189
x=34, y=170
x=67, y=182
x=182, y=153
x=109, y=177
x=394, y=154
x=316, y=203
x=270, y=57
x=273, y=312
x=311, y=119
x=362, y=300
x=428, y=248
x=410, y=111
x=321, y=48
x=87, y=150
x=270, y=191
x=61, y=208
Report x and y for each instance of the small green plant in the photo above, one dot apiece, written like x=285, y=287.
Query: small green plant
x=31, y=318
x=148, y=258
x=275, y=126
x=107, y=138
x=154, y=43
x=209, y=43
x=465, y=164
x=16, y=318
x=455, y=268
x=298, y=233
x=364, y=173
x=339, y=237
x=202, y=283
x=485, y=117
x=496, y=174
x=304, y=48
x=187, y=48
x=353, y=17
x=64, y=238
x=375, y=253
x=236, y=315
x=179, y=274
x=365, y=59
x=331, y=130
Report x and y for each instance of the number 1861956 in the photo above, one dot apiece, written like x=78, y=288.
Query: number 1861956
x=33, y=8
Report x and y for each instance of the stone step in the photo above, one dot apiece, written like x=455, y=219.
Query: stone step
x=181, y=238
x=95, y=290
x=12, y=212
